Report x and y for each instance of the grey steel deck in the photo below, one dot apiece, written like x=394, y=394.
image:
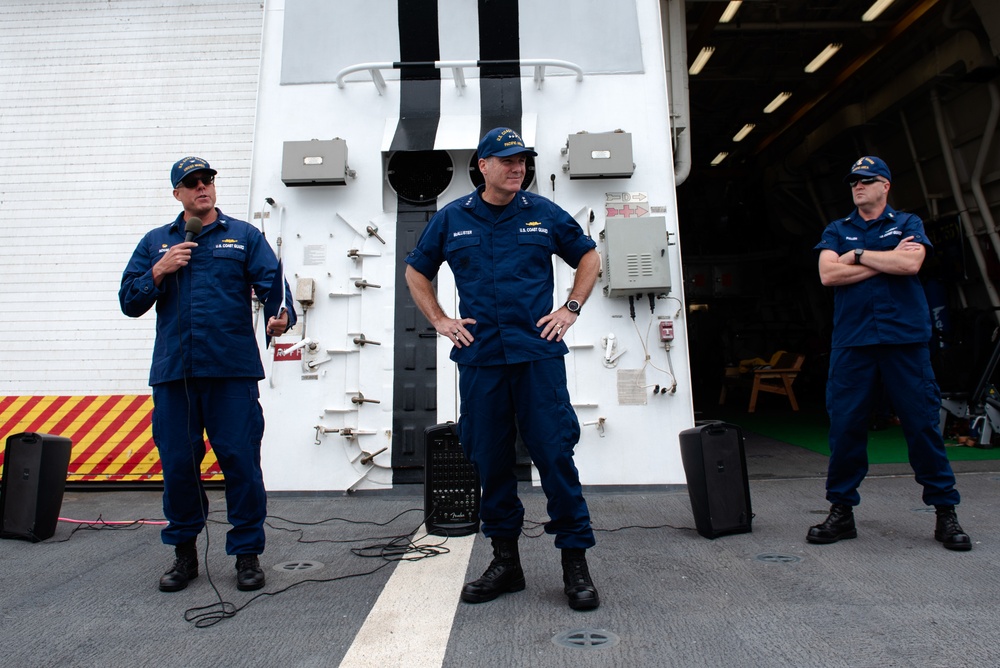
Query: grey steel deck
x=892, y=597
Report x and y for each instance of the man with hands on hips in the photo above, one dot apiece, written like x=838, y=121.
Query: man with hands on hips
x=508, y=344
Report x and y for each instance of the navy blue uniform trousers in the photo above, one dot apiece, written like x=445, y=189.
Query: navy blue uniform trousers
x=851, y=390
x=228, y=411
x=535, y=395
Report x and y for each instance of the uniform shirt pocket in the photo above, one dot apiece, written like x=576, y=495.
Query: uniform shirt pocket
x=463, y=256
x=228, y=263
x=535, y=253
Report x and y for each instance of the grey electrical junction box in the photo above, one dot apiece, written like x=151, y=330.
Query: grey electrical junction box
x=635, y=256
x=600, y=155
x=305, y=291
x=314, y=163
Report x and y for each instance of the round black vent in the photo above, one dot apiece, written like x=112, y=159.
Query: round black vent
x=420, y=176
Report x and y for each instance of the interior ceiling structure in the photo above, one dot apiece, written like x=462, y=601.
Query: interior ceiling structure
x=763, y=51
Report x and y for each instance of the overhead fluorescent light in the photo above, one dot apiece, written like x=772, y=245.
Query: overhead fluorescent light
x=702, y=58
x=719, y=158
x=876, y=9
x=734, y=7
x=824, y=55
x=744, y=131
x=776, y=102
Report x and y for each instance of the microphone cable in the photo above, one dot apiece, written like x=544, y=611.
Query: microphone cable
x=403, y=547
x=194, y=457
x=536, y=529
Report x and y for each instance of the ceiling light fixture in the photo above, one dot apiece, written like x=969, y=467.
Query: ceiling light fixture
x=701, y=59
x=744, y=131
x=719, y=158
x=876, y=9
x=824, y=55
x=734, y=7
x=776, y=102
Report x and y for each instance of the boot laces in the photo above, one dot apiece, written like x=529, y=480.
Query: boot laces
x=949, y=523
x=837, y=515
x=497, y=568
x=247, y=562
x=184, y=564
x=577, y=572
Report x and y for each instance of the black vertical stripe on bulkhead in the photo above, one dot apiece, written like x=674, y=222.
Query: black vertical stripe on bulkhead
x=500, y=105
x=414, y=383
x=499, y=84
x=420, y=85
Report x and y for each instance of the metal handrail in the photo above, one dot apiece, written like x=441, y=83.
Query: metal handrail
x=457, y=67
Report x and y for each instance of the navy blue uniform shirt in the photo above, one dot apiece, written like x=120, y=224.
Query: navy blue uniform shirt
x=884, y=308
x=204, y=319
x=503, y=271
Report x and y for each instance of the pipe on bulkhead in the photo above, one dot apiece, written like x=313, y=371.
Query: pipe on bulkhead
x=674, y=30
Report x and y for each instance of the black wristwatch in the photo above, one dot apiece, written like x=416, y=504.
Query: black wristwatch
x=573, y=306
x=858, y=252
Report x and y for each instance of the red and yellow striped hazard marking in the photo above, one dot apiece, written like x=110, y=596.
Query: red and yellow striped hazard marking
x=112, y=435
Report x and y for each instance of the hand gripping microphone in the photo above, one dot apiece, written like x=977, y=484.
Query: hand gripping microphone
x=192, y=228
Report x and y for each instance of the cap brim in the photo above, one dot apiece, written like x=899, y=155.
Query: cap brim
x=512, y=151
x=195, y=171
x=864, y=175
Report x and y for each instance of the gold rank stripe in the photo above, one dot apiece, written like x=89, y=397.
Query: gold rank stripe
x=111, y=434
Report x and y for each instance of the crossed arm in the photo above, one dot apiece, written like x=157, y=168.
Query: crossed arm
x=903, y=260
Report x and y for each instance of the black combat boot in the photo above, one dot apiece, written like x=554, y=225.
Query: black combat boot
x=503, y=575
x=839, y=525
x=949, y=531
x=249, y=575
x=185, y=567
x=579, y=588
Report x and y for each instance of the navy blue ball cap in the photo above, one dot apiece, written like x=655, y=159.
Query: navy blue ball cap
x=186, y=166
x=502, y=142
x=868, y=166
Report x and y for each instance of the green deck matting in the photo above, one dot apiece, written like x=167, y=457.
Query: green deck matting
x=810, y=429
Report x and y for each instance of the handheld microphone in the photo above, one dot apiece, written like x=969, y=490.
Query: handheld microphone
x=192, y=228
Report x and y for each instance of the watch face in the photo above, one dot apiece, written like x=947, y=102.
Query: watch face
x=573, y=305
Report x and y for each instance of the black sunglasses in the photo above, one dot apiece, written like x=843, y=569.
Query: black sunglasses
x=191, y=182
x=867, y=181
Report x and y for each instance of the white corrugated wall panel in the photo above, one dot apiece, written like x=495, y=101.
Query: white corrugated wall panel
x=99, y=99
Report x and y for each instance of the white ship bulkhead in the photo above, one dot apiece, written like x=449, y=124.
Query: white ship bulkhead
x=333, y=414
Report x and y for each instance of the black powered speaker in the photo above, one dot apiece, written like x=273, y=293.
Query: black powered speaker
x=716, y=468
x=451, y=484
x=34, y=479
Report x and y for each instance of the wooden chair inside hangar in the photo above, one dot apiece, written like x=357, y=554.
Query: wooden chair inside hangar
x=777, y=378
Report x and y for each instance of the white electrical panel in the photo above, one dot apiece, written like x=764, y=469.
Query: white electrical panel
x=635, y=256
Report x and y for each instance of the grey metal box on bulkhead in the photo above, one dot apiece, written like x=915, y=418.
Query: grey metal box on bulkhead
x=635, y=258
x=314, y=163
x=600, y=155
